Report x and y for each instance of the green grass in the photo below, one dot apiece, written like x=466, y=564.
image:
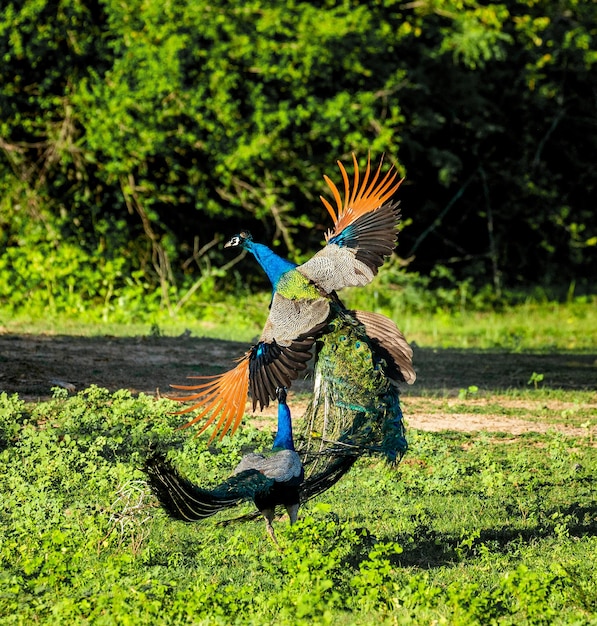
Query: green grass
x=533, y=326
x=576, y=409
x=219, y=320
x=538, y=327
x=466, y=530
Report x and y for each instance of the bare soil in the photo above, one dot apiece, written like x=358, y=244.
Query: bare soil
x=31, y=365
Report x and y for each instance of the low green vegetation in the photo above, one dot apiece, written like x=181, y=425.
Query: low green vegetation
x=575, y=410
x=470, y=528
x=428, y=319
x=465, y=530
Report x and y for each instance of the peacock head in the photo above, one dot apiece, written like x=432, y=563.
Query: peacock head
x=242, y=240
x=281, y=393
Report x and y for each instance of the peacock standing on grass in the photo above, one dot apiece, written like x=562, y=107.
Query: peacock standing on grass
x=272, y=481
x=268, y=480
x=360, y=357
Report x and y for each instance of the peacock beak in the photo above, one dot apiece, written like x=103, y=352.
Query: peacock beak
x=230, y=244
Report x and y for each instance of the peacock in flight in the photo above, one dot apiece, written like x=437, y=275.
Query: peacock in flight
x=269, y=481
x=360, y=357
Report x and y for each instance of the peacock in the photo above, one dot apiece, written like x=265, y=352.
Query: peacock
x=271, y=481
x=268, y=480
x=360, y=357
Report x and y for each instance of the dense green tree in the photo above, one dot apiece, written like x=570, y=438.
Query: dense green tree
x=135, y=135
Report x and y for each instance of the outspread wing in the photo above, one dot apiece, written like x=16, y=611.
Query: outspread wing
x=221, y=399
x=364, y=231
x=222, y=396
x=281, y=354
x=272, y=365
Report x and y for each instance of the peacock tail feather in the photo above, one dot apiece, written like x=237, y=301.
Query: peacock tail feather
x=355, y=407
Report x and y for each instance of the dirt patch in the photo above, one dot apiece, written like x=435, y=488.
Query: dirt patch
x=31, y=365
x=466, y=422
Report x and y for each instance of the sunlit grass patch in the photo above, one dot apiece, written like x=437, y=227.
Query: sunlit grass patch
x=531, y=326
x=579, y=409
x=462, y=529
x=539, y=327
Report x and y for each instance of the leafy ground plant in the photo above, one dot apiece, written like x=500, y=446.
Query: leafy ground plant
x=468, y=529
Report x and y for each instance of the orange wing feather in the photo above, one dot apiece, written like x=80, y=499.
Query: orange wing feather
x=366, y=197
x=223, y=395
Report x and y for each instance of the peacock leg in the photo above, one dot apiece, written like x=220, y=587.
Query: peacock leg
x=292, y=510
x=269, y=518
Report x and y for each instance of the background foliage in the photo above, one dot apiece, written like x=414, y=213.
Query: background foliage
x=135, y=136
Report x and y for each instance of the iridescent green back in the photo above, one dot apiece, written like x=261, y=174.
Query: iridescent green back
x=294, y=286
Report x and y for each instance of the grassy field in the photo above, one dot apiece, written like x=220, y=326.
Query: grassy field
x=535, y=326
x=491, y=517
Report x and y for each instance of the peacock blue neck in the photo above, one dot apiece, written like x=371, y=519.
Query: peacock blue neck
x=284, y=438
x=274, y=266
